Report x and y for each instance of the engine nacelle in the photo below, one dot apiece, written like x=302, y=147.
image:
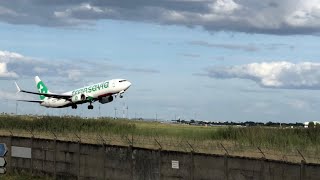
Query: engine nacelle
x=78, y=97
x=105, y=100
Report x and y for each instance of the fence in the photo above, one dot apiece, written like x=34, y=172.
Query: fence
x=176, y=144
x=133, y=157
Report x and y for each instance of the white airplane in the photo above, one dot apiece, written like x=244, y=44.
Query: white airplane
x=102, y=92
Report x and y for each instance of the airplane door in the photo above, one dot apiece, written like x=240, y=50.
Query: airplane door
x=113, y=84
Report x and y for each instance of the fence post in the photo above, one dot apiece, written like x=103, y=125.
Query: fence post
x=302, y=170
x=192, y=166
x=262, y=168
x=224, y=149
x=159, y=154
x=31, y=160
x=103, y=156
x=302, y=166
x=55, y=155
x=226, y=166
x=132, y=161
x=43, y=159
x=79, y=156
x=264, y=156
x=192, y=161
x=130, y=142
x=10, y=150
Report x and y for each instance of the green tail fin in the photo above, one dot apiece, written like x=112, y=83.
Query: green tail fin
x=42, y=88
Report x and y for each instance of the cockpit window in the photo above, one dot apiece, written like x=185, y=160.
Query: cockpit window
x=123, y=81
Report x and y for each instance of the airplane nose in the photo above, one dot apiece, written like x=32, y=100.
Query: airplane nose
x=129, y=84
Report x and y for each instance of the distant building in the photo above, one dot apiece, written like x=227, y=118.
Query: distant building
x=306, y=124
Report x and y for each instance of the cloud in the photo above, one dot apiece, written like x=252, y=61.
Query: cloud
x=189, y=55
x=268, y=17
x=5, y=58
x=40, y=69
x=142, y=70
x=224, y=6
x=74, y=74
x=241, y=47
x=14, y=65
x=4, y=73
x=298, y=104
x=305, y=75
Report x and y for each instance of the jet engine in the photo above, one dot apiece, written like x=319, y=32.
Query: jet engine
x=78, y=97
x=105, y=100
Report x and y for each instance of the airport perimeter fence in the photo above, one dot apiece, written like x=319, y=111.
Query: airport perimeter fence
x=106, y=156
x=175, y=144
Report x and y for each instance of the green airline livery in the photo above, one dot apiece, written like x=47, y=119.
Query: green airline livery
x=104, y=92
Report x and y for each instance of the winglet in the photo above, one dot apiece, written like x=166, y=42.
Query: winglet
x=18, y=88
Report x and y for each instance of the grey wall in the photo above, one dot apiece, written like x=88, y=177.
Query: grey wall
x=76, y=160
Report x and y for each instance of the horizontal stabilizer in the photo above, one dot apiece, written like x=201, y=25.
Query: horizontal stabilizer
x=18, y=88
x=58, y=96
x=33, y=101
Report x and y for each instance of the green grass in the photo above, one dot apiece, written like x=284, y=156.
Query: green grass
x=280, y=139
x=105, y=125
x=277, y=138
x=183, y=131
x=65, y=124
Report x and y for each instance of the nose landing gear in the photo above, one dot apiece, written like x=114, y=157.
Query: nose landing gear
x=90, y=107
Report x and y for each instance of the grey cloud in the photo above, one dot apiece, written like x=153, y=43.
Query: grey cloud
x=98, y=67
x=242, y=47
x=190, y=55
x=14, y=65
x=226, y=46
x=142, y=70
x=251, y=16
x=273, y=4
x=281, y=75
x=277, y=46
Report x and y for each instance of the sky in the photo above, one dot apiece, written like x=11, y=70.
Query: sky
x=213, y=60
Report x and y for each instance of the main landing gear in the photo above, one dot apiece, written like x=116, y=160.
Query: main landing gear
x=74, y=106
x=120, y=95
x=90, y=107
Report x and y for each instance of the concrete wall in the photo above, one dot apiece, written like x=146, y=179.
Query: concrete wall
x=76, y=160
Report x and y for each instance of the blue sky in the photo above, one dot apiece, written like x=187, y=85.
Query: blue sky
x=218, y=60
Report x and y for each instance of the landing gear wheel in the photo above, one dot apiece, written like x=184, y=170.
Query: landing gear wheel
x=121, y=96
x=74, y=106
x=90, y=107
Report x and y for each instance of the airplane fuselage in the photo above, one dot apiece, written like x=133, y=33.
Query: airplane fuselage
x=104, y=92
x=93, y=92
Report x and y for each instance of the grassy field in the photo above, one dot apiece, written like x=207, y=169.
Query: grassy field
x=104, y=126
x=276, y=143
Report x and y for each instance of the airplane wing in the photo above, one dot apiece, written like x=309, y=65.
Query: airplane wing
x=33, y=101
x=58, y=96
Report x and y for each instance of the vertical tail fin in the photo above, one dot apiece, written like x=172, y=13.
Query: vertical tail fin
x=42, y=88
